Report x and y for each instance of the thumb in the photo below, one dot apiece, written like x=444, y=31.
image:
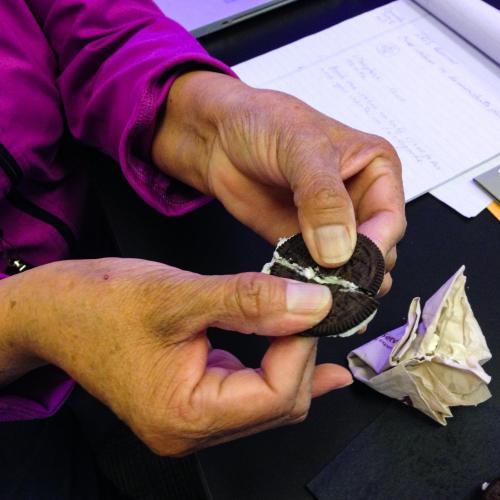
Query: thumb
x=325, y=211
x=266, y=305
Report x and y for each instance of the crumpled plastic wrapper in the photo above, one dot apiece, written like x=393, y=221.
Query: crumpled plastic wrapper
x=433, y=362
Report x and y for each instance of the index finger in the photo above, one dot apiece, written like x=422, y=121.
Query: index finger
x=246, y=399
x=378, y=198
x=325, y=211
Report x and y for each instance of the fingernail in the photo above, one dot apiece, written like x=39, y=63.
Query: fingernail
x=302, y=298
x=334, y=243
x=347, y=384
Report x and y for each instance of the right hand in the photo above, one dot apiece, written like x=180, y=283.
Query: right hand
x=133, y=333
x=281, y=167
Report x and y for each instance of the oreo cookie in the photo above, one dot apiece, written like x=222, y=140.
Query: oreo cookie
x=353, y=285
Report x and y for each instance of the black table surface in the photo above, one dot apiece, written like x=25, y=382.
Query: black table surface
x=278, y=464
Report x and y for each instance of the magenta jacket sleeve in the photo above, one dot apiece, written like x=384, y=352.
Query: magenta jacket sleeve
x=117, y=61
x=39, y=394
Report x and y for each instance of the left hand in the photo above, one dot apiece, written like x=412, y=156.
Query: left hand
x=281, y=167
x=134, y=334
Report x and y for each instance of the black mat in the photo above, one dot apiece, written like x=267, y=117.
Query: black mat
x=405, y=455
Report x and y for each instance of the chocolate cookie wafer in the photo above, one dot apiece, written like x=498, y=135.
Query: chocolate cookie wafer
x=353, y=285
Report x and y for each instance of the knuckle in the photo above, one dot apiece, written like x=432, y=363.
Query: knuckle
x=308, y=141
x=173, y=438
x=255, y=294
x=301, y=410
x=292, y=405
x=282, y=408
x=404, y=226
x=281, y=105
x=321, y=191
x=398, y=230
x=249, y=295
x=391, y=258
x=300, y=418
x=319, y=142
x=289, y=406
x=385, y=147
x=380, y=148
x=386, y=286
x=327, y=198
x=195, y=422
x=324, y=199
x=170, y=425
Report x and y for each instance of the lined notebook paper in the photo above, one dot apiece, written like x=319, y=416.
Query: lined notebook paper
x=400, y=73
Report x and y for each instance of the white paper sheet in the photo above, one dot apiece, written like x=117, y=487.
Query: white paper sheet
x=398, y=72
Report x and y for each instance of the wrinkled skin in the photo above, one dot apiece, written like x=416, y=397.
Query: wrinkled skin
x=133, y=332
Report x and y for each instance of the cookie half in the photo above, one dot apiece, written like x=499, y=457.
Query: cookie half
x=353, y=285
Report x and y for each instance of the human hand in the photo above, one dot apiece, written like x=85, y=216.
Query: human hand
x=133, y=333
x=281, y=167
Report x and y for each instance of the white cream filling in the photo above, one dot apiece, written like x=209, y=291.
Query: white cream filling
x=309, y=273
x=313, y=275
x=355, y=328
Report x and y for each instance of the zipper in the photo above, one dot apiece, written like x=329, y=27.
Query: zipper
x=15, y=265
x=10, y=166
x=28, y=207
x=15, y=174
